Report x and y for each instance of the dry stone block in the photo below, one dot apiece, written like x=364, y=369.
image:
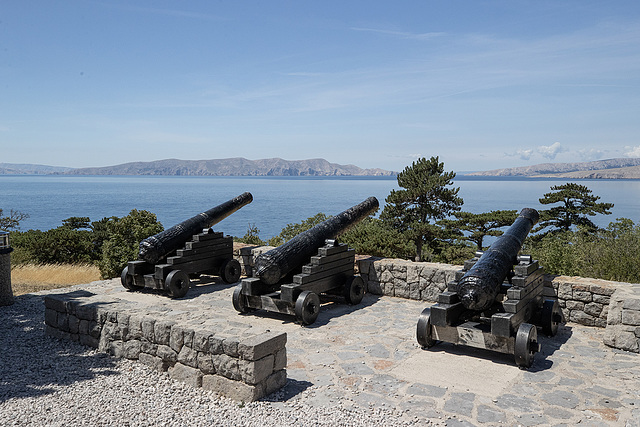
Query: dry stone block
x=167, y=353
x=631, y=317
x=259, y=346
x=253, y=372
x=235, y=390
x=188, y=357
x=186, y=374
x=131, y=349
x=153, y=362
x=162, y=331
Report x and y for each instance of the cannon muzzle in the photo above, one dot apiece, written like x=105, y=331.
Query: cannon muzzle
x=275, y=264
x=154, y=248
x=480, y=285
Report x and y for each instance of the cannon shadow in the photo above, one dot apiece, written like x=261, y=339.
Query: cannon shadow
x=541, y=362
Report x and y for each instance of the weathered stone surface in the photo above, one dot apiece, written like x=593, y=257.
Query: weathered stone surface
x=131, y=349
x=188, y=356
x=205, y=363
x=593, y=309
x=619, y=337
x=154, y=362
x=629, y=317
x=575, y=305
x=215, y=345
x=275, y=382
x=230, y=346
x=162, y=331
x=259, y=346
x=186, y=374
x=167, y=353
x=51, y=317
x=201, y=341
x=280, y=360
x=227, y=366
x=253, y=372
x=235, y=390
x=74, y=324
x=55, y=302
x=176, y=338
x=148, y=325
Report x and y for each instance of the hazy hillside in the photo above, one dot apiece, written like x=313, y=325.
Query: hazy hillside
x=233, y=167
x=29, y=169
x=622, y=168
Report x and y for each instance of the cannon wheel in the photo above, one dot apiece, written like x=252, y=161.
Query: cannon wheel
x=354, y=290
x=526, y=345
x=423, y=330
x=550, y=317
x=128, y=281
x=307, y=307
x=238, y=300
x=230, y=271
x=177, y=283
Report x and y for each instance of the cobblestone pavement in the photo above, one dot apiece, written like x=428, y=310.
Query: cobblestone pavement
x=367, y=356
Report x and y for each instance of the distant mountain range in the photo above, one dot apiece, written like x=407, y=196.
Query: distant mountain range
x=623, y=168
x=29, y=169
x=217, y=167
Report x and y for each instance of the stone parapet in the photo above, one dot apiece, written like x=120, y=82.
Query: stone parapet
x=236, y=364
x=623, y=320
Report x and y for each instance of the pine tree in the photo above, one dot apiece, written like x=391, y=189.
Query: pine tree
x=426, y=198
x=483, y=224
x=576, y=203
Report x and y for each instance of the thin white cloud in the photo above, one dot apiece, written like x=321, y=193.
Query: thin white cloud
x=402, y=34
x=550, y=151
x=632, y=151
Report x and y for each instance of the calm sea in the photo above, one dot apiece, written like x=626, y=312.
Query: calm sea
x=278, y=201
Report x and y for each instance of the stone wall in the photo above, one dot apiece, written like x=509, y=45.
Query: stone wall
x=243, y=368
x=623, y=321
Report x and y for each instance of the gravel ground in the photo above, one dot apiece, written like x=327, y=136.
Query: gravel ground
x=44, y=381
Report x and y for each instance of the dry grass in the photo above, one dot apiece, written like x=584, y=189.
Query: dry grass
x=29, y=278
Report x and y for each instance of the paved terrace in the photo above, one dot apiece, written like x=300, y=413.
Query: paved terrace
x=367, y=356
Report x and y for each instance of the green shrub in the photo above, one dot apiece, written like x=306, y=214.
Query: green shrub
x=124, y=237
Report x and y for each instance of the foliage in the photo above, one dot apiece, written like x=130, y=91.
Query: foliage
x=124, y=237
x=374, y=237
x=252, y=236
x=12, y=222
x=426, y=198
x=292, y=230
x=477, y=226
x=60, y=245
x=110, y=242
x=610, y=254
x=576, y=204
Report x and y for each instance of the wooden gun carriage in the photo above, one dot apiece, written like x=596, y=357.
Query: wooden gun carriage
x=289, y=278
x=167, y=260
x=496, y=301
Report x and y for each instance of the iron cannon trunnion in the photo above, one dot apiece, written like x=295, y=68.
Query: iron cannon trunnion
x=496, y=302
x=290, y=278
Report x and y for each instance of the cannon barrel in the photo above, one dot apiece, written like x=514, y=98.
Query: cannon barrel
x=275, y=264
x=480, y=285
x=153, y=248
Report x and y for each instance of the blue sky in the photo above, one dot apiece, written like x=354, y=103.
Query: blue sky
x=481, y=84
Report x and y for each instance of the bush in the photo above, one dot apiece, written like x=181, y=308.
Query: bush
x=372, y=236
x=292, y=230
x=124, y=237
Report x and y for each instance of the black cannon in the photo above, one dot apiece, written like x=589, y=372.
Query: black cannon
x=167, y=260
x=289, y=278
x=496, y=301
